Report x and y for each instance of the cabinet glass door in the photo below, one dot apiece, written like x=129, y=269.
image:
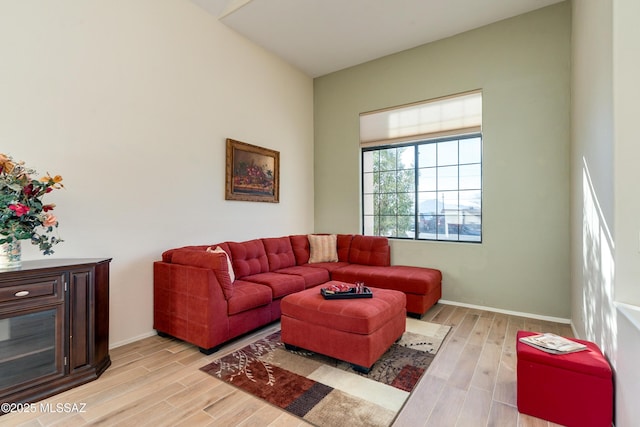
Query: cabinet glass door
x=30, y=347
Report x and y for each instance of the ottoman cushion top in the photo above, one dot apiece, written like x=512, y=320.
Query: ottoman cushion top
x=590, y=361
x=358, y=316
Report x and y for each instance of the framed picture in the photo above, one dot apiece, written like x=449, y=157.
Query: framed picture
x=253, y=173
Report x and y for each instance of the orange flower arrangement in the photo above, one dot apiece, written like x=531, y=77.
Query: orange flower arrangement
x=22, y=213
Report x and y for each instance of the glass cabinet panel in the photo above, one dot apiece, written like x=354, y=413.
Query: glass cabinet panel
x=30, y=346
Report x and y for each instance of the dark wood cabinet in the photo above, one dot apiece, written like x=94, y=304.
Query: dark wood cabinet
x=54, y=327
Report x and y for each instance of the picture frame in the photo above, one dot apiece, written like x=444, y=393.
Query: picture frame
x=252, y=173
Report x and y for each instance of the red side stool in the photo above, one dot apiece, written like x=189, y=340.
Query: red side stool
x=574, y=389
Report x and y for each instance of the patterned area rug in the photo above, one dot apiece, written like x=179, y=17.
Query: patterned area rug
x=325, y=391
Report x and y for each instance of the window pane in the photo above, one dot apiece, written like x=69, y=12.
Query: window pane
x=388, y=226
x=427, y=203
x=470, y=177
x=406, y=180
x=367, y=204
x=427, y=179
x=448, y=178
x=387, y=159
x=376, y=161
x=386, y=182
x=447, y=202
x=448, y=153
x=368, y=226
x=406, y=204
x=406, y=226
x=367, y=161
x=367, y=183
x=426, y=155
x=470, y=150
x=406, y=157
x=387, y=204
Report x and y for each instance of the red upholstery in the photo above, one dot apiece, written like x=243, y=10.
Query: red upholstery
x=279, y=252
x=248, y=296
x=248, y=258
x=280, y=284
x=573, y=389
x=300, y=247
x=354, y=316
x=370, y=250
x=311, y=276
x=331, y=267
x=203, y=259
x=195, y=301
x=344, y=246
x=358, y=331
x=423, y=286
x=195, y=312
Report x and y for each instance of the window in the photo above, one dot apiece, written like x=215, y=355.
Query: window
x=418, y=186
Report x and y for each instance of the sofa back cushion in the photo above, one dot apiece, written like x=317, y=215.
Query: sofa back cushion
x=300, y=247
x=248, y=258
x=279, y=252
x=344, y=246
x=210, y=260
x=370, y=250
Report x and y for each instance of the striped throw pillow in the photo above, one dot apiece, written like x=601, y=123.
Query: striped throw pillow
x=323, y=248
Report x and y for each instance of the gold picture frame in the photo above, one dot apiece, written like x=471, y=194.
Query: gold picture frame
x=252, y=173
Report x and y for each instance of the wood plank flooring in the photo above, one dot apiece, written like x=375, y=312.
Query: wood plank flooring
x=157, y=382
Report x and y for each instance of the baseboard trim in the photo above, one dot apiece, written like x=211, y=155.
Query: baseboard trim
x=510, y=312
x=133, y=339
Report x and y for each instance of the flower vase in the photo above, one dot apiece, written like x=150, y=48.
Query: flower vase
x=10, y=255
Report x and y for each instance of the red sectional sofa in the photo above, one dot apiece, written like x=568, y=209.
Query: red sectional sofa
x=196, y=300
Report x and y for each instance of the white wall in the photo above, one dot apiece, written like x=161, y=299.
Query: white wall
x=131, y=101
x=522, y=66
x=605, y=244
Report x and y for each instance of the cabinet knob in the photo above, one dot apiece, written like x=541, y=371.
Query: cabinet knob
x=21, y=293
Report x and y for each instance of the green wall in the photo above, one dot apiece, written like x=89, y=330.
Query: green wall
x=523, y=67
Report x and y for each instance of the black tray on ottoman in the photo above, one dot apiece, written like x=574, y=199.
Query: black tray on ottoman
x=351, y=293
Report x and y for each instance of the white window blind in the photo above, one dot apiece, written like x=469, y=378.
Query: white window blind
x=456, y=114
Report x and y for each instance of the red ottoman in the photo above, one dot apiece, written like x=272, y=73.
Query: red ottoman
x=574, y=389
x=357, y=331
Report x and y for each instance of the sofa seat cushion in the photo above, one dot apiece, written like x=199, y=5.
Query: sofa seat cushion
x=312, y=276
x=329, y=266
x=413, y=280
x=280, y=284
x=354, y=316
x=247, y=296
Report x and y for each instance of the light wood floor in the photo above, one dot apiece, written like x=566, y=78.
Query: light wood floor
x=156, y=382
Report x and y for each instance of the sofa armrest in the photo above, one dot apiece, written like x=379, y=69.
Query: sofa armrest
x=189, y=304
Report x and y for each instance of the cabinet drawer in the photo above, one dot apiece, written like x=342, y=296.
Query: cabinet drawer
x=49, y=288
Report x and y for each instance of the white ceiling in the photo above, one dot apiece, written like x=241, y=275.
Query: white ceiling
x=322, y=36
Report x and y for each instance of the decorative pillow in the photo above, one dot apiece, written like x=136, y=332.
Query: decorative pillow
x=219, y=250
x=323, y=248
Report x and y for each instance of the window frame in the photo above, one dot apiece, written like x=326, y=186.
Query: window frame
x=416, y=190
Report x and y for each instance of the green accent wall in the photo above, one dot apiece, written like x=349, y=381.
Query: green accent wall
x=523, y=66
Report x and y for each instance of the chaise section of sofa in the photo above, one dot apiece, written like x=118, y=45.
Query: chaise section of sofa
x=208, y=298
x=370, y=262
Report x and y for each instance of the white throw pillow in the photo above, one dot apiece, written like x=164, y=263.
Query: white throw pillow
x=219, y=250
x=323, y=248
